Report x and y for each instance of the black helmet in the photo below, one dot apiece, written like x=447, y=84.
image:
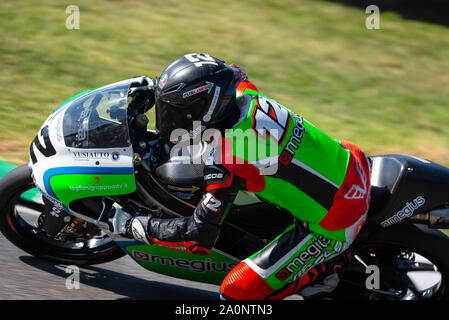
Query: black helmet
x=195, y=87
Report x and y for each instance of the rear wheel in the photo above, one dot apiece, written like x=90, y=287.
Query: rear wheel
x=18, y=215
x=411, y=262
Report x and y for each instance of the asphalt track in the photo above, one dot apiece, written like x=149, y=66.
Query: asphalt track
x=23, y=276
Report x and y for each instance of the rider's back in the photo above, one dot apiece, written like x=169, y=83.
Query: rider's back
x=302, y=167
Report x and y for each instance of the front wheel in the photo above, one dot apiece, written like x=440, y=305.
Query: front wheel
x=19, y=209
x=411, y=262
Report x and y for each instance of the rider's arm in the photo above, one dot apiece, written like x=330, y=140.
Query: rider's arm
x=199, y=232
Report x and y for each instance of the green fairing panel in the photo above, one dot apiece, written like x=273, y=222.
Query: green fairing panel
x=70, y=187
x=211, y=268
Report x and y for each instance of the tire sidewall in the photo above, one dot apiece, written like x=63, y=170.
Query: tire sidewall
x=13, y=184
x=430, y=243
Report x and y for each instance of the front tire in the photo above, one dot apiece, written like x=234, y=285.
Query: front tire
x=35, y=242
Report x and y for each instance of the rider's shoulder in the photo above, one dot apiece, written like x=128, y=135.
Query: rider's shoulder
x=246, y=104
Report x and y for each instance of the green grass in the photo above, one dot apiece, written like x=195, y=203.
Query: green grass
x=386, y=90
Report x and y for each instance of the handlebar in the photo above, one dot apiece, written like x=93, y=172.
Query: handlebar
x=142, y=93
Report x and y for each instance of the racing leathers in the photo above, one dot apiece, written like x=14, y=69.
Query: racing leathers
x=284, y=159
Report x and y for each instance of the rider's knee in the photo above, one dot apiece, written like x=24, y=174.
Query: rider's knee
x=243, y=283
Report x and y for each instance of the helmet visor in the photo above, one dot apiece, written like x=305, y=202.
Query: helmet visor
x=174, y=121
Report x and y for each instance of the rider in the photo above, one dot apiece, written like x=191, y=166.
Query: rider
x=324, y=183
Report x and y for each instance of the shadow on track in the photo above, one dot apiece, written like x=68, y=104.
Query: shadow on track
x=122, y=284
x=431, y=11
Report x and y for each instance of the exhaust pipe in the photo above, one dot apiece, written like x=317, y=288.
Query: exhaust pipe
x=435, y=219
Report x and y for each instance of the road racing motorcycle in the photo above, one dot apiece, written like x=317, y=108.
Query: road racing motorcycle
x=97, y=145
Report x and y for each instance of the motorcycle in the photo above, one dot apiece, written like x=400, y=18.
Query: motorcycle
x=97, y=146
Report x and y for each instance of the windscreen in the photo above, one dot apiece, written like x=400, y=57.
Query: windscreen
x=98, y=119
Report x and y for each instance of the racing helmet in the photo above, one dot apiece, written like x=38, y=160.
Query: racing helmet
x=195, y=87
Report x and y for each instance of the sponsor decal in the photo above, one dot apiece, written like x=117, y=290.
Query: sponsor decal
x=137, y=230
x=208, y=116
x=56, y=203
x=89, y=155
x=208, y=86
x=283, y=274
x=213, y=176
x=316, y=252
x=141, y=255
x=357, y=192
x=199, y=266
x=47, y=150
x=270, y=118
x=185, y=196
x=407, y=211
x=55, y=211
x=115, y=156
x=58, y=128
x=97, y=179
x=292, y=146
x=163, y=81
x=211, y=203
x=97, y=188
x=200, y=59
x=83, y=125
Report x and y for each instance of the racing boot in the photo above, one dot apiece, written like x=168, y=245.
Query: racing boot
x=124, y=224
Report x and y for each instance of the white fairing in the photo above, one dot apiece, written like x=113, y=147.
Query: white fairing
x=68, y=157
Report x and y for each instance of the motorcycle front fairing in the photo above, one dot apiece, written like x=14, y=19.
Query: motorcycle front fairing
x=84, y=149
